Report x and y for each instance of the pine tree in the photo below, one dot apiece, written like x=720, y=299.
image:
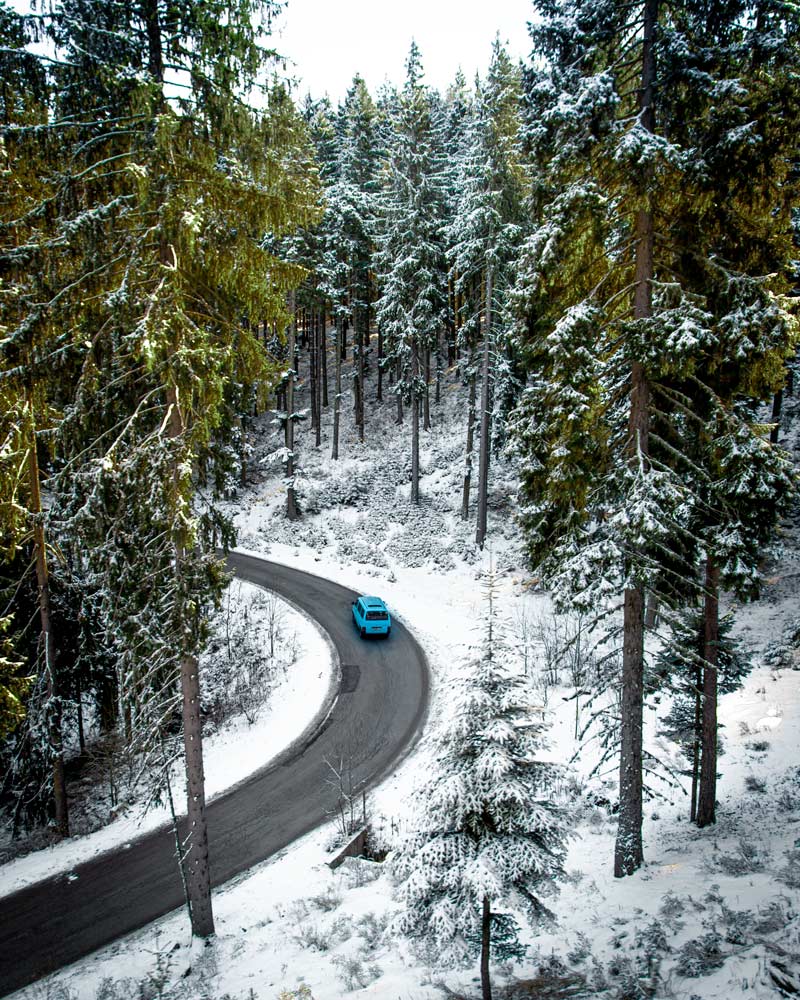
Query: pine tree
x=629, y=309
x=488, y=835
x=350, y=227
x=483, y=238
x=159, y=279
x=410, y=259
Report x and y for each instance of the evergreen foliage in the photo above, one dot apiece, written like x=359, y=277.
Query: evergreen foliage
x=136, y=278
x=652, y=311
x=488, y=827
x=679, y=664
x=411, y=310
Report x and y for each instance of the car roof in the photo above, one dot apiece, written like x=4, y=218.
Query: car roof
x=373, y=602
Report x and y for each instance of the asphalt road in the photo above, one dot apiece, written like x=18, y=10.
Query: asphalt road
x=375, y=715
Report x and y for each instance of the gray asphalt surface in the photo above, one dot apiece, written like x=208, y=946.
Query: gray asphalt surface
x=376, y=713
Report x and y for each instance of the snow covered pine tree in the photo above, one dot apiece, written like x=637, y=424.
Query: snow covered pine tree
x=489, y=835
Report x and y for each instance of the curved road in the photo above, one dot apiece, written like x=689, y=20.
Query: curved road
x=377, y=712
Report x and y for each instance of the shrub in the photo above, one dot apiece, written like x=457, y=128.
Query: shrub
x=700, y=956
x=328, y=899
x=790, y=873
x=748, y=859
x=371, y=930
x=353, y=974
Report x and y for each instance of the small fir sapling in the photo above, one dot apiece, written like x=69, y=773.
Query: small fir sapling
x=489, y=836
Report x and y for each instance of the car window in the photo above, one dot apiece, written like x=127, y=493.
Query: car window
x=360, y=608
x=376, y=616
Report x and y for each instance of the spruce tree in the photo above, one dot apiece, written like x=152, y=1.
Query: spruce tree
x=160, y=278
x=629, y=311
x=410, y=261
x=483, y=237
x=488, y=836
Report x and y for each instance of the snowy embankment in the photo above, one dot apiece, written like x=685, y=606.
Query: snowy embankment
x=230, y=754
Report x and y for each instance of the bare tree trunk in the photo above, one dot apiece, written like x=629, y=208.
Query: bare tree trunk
x=317, y=349
x=698, y=681
x=53, y=701
x=323, y=357
x=312, y=367
x=291, y=498
x=198, y=876
x=628, y=851
x=414, y=424
x=358, y=369
x=337, y=398
x=363, y=346
x=486, y=931
x=79, y=715
x=379, y=393
x=483, y=459
x=427, y=407
x=439, y=364
x=468, y=452
x=707, y=797
x=398, y=394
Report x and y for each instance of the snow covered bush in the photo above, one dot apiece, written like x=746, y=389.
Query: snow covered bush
x=489, y=836
x=352, y=972
x=700, y=956
x=747, y=859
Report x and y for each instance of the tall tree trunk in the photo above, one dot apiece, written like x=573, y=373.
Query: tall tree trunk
x=318, y=335
x=155, y=57
x=79, y=719
x=358, y=369
x=363, y=345
x=698, y=703
x=438, y=359
x=398, y=394
x=414, y=424
x=628, y=852
x=337, y=396
x=52, y=696
x=291, y=497
x=486, y=944
x=427, y=407
x=707, y=798
x=379, y=392
x=468, y=451
x=312, y=368
x=483, y=458
x=198, y=876
x=323, y=357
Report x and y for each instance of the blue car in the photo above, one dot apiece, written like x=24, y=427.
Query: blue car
x=371, y=617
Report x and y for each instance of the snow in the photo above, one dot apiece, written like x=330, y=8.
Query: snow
x=229, y=756
x=292, y=921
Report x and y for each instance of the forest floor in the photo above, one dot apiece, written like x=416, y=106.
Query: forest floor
x=713, y=913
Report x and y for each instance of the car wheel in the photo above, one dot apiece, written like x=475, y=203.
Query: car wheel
x=387, y=633
x=363, y=633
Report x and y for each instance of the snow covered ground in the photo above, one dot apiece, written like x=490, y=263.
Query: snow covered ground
x=716, y=911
